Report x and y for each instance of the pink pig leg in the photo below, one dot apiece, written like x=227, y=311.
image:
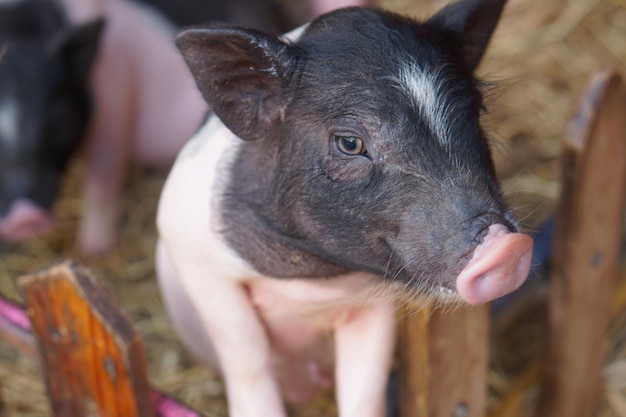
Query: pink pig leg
x=364, y=350
x=237, y=334
x=107, y=150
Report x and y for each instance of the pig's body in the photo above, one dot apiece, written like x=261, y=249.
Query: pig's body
x=330, y=185
x=141, y=75
x=146, y=107
x=298, y=315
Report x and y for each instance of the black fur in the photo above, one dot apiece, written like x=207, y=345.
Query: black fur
x=404, y=208
x=44, y=68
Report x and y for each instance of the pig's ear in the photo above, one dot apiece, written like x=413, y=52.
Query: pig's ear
x=241, y=74
x=77, y=46
x=473, y=21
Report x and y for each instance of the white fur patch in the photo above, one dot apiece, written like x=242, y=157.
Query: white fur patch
x=295, y=34
x=189, y=210
x=9, y=121
x=426, y=89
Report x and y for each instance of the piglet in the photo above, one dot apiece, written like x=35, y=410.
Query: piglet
x=45, y=106
x=345, y=170
x=145, y=107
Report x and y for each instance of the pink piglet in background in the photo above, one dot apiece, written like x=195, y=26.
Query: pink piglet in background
x=146, y=107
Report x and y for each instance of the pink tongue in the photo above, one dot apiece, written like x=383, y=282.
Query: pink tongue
x=499, y=266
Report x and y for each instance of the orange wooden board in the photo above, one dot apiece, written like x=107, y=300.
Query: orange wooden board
x=93, y=360
x=444, y=362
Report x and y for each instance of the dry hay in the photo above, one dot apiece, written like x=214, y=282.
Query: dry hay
x=540, y=58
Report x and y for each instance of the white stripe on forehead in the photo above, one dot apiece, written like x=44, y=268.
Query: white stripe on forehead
x=427, y=91
x=9, y=122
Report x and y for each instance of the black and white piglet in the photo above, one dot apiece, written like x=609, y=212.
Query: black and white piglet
x=345, y=168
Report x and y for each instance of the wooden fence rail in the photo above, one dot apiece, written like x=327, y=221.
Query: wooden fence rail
x=583, y=296
x=93, y=360
x=444, y=357
x=587, y=247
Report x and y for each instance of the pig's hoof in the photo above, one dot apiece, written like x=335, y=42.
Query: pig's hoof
x=25, y=221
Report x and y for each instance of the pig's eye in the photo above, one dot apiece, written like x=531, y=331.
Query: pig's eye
x=350, y=145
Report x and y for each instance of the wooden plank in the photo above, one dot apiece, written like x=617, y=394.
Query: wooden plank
x=444, y=362
x=13, y=317
x=586, y=250
x=93, y=361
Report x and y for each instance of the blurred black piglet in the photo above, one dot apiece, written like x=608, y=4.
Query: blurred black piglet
x=45, y=106
x=121, y=91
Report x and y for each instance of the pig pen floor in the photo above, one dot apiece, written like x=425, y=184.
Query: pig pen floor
x=541, y=56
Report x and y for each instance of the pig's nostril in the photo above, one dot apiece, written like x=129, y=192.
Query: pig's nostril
x=509, y=224
x=480, y=225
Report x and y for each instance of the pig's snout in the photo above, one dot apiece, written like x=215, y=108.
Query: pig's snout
x=499, y=265
x=24, y=220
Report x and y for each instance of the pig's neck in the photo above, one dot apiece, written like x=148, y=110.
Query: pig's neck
x=255, y=231
x=268, y=250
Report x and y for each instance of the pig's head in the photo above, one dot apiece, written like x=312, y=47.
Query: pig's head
x=362, y=150
x=44, y=109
